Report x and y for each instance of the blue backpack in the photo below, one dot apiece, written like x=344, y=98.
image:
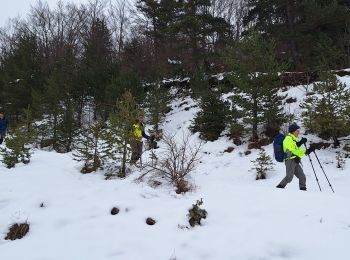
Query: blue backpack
x=280, y=155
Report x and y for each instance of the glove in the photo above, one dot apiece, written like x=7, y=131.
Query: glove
x=311, y=149
x=301, y=142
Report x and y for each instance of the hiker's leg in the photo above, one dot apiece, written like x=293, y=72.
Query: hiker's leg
x=136, y=148
x=134, y=156
x=301, y=176
x=2, y=136
x=139, y=149
x=290, y=168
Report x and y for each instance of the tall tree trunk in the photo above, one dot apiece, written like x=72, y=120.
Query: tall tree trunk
x=291, y=28
x=123, y=166
x=255, y=118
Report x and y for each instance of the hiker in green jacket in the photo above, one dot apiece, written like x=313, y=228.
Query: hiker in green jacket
x=291, y=146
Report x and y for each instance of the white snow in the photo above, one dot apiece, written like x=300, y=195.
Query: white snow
x=247, y=219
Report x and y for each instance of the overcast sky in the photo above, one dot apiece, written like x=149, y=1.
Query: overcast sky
x=13, y=8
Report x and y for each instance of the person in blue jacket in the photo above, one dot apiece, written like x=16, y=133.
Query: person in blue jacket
x=3, y=126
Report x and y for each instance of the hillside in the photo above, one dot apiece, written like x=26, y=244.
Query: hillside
x=247, y=219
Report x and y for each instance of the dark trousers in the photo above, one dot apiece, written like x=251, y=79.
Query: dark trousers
x=136, y=149
x=293, y=168
x=2, y=137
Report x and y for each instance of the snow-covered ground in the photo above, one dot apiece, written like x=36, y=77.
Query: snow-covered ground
x=247, y=219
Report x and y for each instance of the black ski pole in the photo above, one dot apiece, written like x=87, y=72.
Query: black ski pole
x=313, y=169
x=330, y=185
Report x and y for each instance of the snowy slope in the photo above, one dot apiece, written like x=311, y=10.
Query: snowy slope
x=248, y=219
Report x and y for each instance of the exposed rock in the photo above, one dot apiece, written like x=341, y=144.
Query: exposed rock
x=114, y=211
x=150, y=221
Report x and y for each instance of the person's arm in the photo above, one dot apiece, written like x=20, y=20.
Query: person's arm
x=144, y=135
x=301, y=142
x=291, y=146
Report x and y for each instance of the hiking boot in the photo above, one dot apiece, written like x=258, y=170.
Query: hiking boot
x=303, y=188
x=279, y=186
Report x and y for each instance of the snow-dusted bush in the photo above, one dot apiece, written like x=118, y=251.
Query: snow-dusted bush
x=340, y=160
x=262, y=164
x=177, y=159
x=196, y=214
x=17, y=149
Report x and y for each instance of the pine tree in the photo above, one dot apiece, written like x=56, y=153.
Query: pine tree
x=298, y=25
x=121, y=123
x=257, y=83
x=262, y=164
x=67, y=126
x=213, y=117
x=195, y=24
x=19, y=142
x=327, y=112
x=162, y=16
x=20, y=74
x=91, y=147
x=97, y=67
x=157, y=104
x=182, y=29
x=340, y=160
x=196, y=213
x=17, y=148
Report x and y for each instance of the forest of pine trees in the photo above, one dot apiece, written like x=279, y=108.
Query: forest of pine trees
x=72, y=65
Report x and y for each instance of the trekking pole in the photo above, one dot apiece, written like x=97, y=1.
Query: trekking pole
x=330, y=185
x=313, y=170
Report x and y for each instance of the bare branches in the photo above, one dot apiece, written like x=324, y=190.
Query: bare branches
x=178, y=158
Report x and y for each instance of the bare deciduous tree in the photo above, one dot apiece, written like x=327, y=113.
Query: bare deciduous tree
x=232, y=11
x=119, y=18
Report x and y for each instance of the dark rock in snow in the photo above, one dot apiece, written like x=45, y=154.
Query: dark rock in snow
x=229, y=149
x=150, y=221
x=114, y=211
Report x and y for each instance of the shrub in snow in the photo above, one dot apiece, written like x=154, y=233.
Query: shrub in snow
x=262, y=164
x=177, y=159
x=182, y=186
x=213, y=117
x=17, y=231
x=346, y=148
x=17, y=149
x=236, y=133
x=340, y=160
x=150, y=221
x=196, y=214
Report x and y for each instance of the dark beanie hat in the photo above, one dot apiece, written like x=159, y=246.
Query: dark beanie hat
x=293, y=127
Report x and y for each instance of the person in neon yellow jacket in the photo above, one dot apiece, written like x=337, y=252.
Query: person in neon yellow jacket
x=291, y=147
x=138, y=132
